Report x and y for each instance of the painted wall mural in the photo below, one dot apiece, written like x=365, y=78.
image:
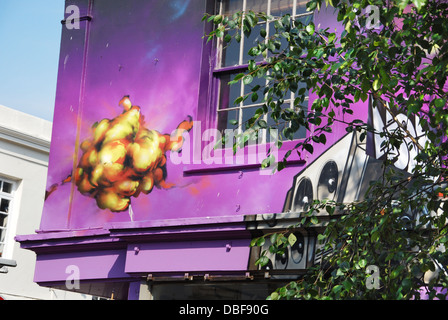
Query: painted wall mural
x=122, y=158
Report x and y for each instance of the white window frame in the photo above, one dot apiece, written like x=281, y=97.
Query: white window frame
x=219, y=69
x=7, y=243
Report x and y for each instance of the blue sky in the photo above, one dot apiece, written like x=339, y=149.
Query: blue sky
x=30, y=32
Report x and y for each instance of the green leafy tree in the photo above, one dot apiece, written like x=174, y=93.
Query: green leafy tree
x=402, y=65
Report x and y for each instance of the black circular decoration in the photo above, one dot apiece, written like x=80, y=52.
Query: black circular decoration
x=328, y=181
x=304, y=195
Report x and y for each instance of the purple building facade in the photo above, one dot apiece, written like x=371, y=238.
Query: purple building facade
x=135, y=207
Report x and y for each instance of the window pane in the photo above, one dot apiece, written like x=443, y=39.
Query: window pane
x=248, y=90
x=301, y=131
x=257, y=6
x=230, y=52
x=4, y=205
x=248, y=113
x=226, y=127
x=251, y=42
x=7, y=187
x=225, y=120
x=228, y=93
x=229, y=7
x=280, y=124
x=276, y=124
x=3, y=219
x=301, y=6
x=281, y=7
x=2, y=235
x=305, y=19
x=283, y=41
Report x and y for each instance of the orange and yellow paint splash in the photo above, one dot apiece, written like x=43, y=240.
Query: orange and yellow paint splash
x=122, y=158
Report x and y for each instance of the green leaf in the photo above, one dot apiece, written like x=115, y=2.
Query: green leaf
x=254, y=97
x=364, y=96
x=348, y=26
x=336, y=289
x=251, y=65
x=274, y=237
x=440, y=103
x=406, y=283
x=288, y=133
x=274, y=296
x=375, y=236
x=247, y=79
x=292, y=239
x=311, y=5
x=308, y=147
x=362, y=263
x=413, y=108
x=323, y=139
x=419, y=4
x=330, y=209
x=347, y=284
x=310, y=28
x=237, y=77
x=253, y=242
x=321, y=237
x=238, y=100
x=262, y=124
x=402, y=4
x=238, y=37
x=376, y=85
x=262, y=261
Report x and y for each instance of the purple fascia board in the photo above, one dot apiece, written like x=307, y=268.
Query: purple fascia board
x=61, y=234
x=199, y=228
x=188, y=256
x=176, y=222
x=91, y=265
x=77, y=240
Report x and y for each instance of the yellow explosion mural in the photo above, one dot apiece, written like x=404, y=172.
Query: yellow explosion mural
x=122, y=158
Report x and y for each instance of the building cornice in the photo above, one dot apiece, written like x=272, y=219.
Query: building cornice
x=25, y=140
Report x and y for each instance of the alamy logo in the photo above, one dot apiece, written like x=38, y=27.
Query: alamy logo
x=72, y=21
x=72, y=280
x=373, y=17
x=205, y=147
x=373, y=277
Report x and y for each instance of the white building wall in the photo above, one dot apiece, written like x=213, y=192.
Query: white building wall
x=24, y=150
